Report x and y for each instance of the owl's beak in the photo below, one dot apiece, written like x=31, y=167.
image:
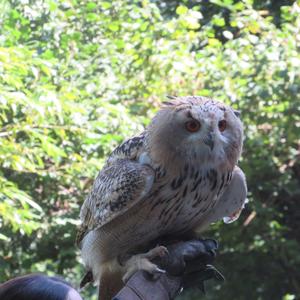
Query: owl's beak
x=209, y=141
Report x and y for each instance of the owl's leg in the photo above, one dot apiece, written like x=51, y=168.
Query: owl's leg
x=143, y=262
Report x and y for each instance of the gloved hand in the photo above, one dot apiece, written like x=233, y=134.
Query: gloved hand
x=187, y=265
x=192, y=261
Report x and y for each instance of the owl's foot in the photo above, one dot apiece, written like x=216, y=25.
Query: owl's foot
x=143, y=262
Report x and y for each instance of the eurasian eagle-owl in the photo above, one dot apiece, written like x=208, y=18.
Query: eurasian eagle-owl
x=175, y=178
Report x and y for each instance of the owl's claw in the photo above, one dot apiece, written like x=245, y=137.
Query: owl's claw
x=159, y=251
x=143, y=262
x=158, y=270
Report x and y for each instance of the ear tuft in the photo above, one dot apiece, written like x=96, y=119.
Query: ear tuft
x=171, y=97
x=171, y=102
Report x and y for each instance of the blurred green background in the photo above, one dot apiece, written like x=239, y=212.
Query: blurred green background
x=77, y=77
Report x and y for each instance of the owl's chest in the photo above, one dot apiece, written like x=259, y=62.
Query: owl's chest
x=183, y=199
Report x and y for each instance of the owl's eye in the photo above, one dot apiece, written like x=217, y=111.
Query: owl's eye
x=222, y=125
x=192, y=126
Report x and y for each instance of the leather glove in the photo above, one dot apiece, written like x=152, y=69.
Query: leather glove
x=141, y=286
x=188, y=265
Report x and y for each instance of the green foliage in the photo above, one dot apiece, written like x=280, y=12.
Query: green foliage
x=77, y=77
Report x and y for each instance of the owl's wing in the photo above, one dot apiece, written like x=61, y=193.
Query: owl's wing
x=234, y=197
x=122, y=183
x=230, y=204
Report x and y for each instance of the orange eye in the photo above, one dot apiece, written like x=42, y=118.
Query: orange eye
x=222, y=125
x=192, y=126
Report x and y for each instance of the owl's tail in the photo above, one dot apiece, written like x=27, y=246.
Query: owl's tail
x=110, y=282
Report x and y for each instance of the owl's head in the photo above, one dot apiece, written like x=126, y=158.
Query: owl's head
x=197, y=129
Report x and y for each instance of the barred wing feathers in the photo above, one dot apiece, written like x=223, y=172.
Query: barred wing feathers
x=121, y=184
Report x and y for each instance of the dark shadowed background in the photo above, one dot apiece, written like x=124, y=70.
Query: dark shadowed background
x=78, y=76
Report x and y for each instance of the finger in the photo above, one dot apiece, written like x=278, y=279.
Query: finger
x=198, y=248
x=211, y=244
x=194, y=266
x=200, y=262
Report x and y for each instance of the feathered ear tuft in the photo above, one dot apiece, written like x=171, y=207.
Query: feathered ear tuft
x=166, y=104
x=185, y=102
x=170, y=103
x=171, y=97
x=237, y=113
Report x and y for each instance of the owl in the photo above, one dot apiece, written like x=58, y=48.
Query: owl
x=173, y=180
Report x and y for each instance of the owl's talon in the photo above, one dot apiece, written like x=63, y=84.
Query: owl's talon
x=158, y=270
x=142, y=262
x=158, y=251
